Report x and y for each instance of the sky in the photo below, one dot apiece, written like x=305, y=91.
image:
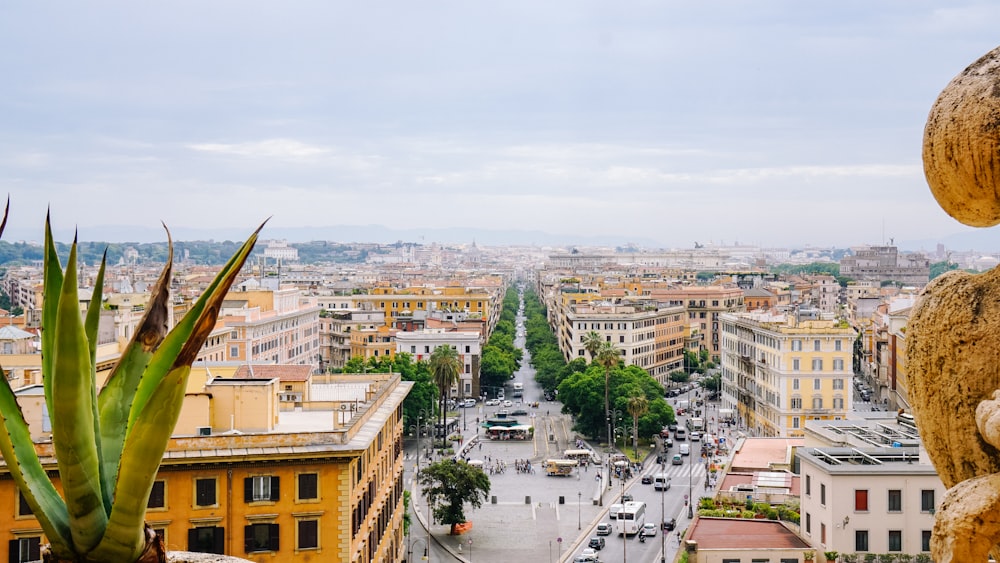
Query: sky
x=771, y=122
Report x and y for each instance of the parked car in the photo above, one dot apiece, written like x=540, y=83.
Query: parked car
x=604, y=529
x=669, y=525
x=596, y=543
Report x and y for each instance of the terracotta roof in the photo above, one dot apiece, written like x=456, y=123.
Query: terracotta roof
x=741, y=533
x=271, y=371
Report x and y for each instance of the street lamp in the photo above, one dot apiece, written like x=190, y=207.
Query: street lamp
x=690, y=486
x=663, y=519
x=579, y=500
x=470, y=550
x=409, y=550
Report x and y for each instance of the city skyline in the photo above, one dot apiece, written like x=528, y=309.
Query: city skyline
x=662, y=124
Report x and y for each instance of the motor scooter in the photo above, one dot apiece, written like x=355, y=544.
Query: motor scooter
x=642, y=538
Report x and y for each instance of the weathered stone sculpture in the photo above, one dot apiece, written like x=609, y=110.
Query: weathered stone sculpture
x=953, y=336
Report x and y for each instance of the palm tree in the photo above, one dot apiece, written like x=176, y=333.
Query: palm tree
x=592, y=342
x=607, y=357
x=638, y=405
x=445, y=367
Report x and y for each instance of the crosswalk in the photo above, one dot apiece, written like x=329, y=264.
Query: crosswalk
x=676, y=472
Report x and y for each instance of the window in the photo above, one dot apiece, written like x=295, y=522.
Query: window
x=822, y=494
x=809, y=523
x=808, y=484
x=895, y=540
x=234, y=351
x=838, y=384
x=927, y=500
x=860, y=540
x=796, y=403
x=307, y=534
x=838, y=404
x=895, y=500
x=157, y=496
x=925, y=540
x=207, y=539
x=621, y=339
x=730, y=561
x=204, y=494
x=838, y=365
x=795, y=384
x=817, y=383
x=795, y=364
x=260, y=488
x=817, y=402
x=822, y=532
x=23, y=508
x=861, y=500
x=23, y=550
x=836, y=345
x=795, y=422
x=796, y=345
x=260, y=537
x=816, y=345
x=308, y=486
x=817, y=364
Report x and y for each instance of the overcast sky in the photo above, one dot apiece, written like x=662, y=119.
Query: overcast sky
x=769, y=122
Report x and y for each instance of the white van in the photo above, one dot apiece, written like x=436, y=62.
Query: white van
x=661, y=482
x=685, y=449
x=613, y=511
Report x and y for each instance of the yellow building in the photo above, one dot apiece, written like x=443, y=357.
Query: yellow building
x=780, y=370
x=246, y=475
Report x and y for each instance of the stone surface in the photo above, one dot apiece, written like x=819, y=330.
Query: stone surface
x=953, y=367
x=961, y=143
x=192, y=557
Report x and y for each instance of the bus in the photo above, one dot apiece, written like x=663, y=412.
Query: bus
x=631, y=517
x=560, y=466
x=583, y=456
x=696, y=424
x=518, y=390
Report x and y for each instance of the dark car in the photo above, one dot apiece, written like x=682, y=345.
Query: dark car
x=669, y=525
x=647, y=479
x=519, y=412
x=627, y=497
x=596, y=543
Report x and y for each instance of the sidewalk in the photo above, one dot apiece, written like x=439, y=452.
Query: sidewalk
x=526, y=517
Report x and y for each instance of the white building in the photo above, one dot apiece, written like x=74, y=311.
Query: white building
x=868, y=500
x=421, y=344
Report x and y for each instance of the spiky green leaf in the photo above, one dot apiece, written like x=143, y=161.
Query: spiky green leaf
x=73, y=398
x=52, y=278
x=141, y=456
x=115, y=398
x=184, y=341
x=29, y=474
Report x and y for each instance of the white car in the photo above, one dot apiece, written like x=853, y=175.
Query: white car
x=695, y=436
x=649, y=529
x=492, y=402
x=508, y=404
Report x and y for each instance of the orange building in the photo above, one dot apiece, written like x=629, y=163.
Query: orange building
x=273, y=483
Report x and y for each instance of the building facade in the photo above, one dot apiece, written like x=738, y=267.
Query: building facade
x=780, y=370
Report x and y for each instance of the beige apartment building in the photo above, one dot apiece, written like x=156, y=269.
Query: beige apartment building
x=704, y=305
x=779, y=370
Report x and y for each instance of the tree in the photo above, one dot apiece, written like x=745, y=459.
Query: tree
x=448, y=485
x=445, y=367
x=712, y=383
x=592, y=342
x=679, y=376
x=607, y=357
x=638, y=405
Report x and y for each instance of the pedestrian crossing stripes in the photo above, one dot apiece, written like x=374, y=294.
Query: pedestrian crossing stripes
x=676, y=472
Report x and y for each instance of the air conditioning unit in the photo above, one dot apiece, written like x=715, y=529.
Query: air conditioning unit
x=204, y=430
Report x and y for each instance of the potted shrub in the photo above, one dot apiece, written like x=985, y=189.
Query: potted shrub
x=108, y=444
x=831, y=556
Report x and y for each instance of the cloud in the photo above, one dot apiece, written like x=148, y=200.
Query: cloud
x=282, y=149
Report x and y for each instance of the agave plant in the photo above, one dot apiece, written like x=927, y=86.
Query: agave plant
x=108, y=444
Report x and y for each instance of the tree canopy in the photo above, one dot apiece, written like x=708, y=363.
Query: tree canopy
x=449, y=485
